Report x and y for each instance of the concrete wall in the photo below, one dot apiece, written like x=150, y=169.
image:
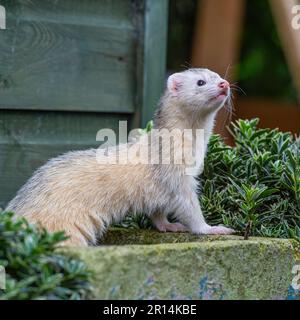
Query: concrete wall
x=182, y=266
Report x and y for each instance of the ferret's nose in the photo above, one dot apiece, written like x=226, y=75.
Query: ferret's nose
x=224, y=84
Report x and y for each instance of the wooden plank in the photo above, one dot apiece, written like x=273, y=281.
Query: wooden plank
x=290, y=37
x=68, y=55
x=29, y=138
x=20, y=127
x=272, y=114
x=152, y=55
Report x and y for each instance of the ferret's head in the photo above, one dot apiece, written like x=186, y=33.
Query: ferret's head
x=199, y=88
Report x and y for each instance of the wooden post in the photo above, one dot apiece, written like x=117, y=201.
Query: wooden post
x=217, y=34
x=290, y=37
x=216, y=43
x=152, y=61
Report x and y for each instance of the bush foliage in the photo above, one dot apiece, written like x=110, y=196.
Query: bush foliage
x=253, y=187
x=34, y=269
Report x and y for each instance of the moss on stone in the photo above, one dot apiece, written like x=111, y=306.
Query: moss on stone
x=121, y=236
x=150, y=265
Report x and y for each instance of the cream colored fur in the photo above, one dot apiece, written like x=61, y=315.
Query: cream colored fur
x=75, y=193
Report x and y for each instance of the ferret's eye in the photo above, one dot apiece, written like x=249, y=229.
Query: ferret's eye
x=201, y=83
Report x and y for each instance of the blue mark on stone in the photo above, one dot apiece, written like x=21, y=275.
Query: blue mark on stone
x=208, y=290
x=150, y=281
x=202, y=285
x=293, y=294
x=114, y=290
x=150, y=293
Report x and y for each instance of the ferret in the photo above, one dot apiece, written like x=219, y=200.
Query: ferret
x=81, y=195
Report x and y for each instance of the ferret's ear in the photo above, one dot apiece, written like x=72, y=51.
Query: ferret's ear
x=174, y=82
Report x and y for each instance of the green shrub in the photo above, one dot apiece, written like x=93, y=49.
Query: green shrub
x=253, y=187
x=34, y=268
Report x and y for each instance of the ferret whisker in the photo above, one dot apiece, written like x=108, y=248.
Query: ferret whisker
x=238, y=90
x=186, y=65
x=235, y=86
x=226, y=72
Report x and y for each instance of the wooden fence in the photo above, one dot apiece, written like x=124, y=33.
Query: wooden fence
x=69, y=68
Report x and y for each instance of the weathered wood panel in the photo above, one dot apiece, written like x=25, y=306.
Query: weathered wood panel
x=68, y=55
x=152, y=56
x=69, y=68
x=29, y=138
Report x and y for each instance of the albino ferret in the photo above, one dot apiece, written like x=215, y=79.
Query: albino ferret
x=82, y=193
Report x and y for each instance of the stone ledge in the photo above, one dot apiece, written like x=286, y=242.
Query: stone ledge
x=150, y=265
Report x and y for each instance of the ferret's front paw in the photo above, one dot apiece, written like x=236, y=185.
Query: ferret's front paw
x=217, y=230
